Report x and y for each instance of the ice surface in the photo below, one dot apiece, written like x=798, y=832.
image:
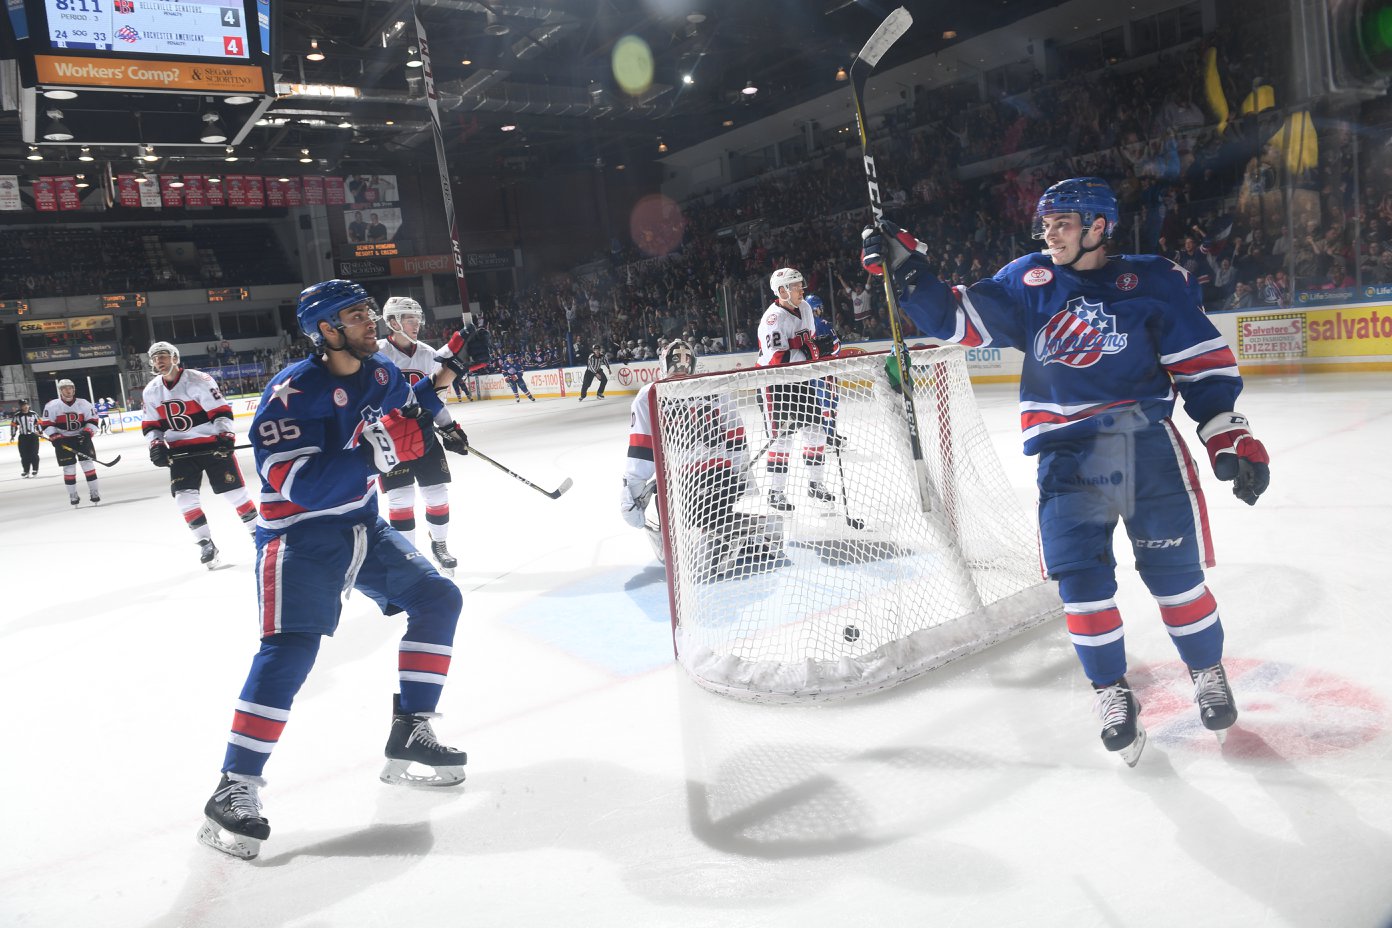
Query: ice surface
x=606, y=789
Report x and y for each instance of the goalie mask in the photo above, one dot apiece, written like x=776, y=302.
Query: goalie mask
x=163, y=349
x=678, y=359
x=398, y=310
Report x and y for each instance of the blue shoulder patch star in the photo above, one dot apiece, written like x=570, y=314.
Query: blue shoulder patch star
x=283, y=391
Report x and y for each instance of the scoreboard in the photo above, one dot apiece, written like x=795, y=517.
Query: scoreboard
x=228, y=294
x=197, y=28
x=121, y=302
x=204, y=46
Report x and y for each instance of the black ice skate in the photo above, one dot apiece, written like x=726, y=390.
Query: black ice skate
x=208, y=556
x=234, y=824
x=447, y=561
x=73, y=500
x=779, y=500
x=1121, y=724
x=818, y=491
x=95, y=499
x=412, y=741
x=1217, y=710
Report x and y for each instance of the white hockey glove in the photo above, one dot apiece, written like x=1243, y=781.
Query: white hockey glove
x=633, y=501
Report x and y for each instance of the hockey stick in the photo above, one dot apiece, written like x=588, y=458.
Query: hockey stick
x=889, y=31
x=554, y=494
x=82, y=455
x=851, y=520
x=179, y=455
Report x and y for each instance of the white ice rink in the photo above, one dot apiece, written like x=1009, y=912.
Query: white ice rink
x=606, y=790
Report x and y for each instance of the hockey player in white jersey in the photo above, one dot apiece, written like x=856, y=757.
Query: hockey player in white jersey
x=189, y=426
x=69, y=422
x=403, y=317
x=787, y=334
x=712, y=456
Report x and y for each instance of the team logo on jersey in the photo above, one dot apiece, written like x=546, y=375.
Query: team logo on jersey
x=370, y=414
x=413, y=377
x=1127, y=281
x=340, y=397
x=127, y=34
x=1079, y=335
x=1038, y=276
x=381, y=375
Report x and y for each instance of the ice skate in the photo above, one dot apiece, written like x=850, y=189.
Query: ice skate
x=818, y=491
x=412, y=741
x=532, y=398
x=447, y=561
x=1217, y=710
x=234, y=824
x=779, y=500
x=73, y=501
x=95, y=499
x=1121, y=724
x=208, y=555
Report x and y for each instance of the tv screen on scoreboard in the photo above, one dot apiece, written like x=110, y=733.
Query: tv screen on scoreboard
x=209, y=46
x=215, y=29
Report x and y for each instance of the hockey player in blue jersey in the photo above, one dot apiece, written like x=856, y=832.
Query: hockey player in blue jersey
x=326, y=427
x=828, y=395
x=512, y=374
x=1110, y=343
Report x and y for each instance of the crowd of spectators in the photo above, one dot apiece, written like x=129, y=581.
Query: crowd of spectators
x=1217, y=199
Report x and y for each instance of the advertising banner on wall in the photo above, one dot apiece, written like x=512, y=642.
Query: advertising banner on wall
x=9, y=192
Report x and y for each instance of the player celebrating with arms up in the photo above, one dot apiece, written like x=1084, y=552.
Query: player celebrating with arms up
x=189, y=425
x=69, y=423
x=1108, y=344
x=417, y=361
x=326, y=427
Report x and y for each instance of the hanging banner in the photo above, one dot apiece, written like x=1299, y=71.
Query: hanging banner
x=65, y=189
x=255, y=192
x=45, y=199
x=214, y=192
x=173, y=197
x=313, y=190
x=275, y=192
x=9, y=192
x=127, y=192
x=195, y=196
x=149, y=193
x=235, y=185
x=333, y=191
x=294, y=196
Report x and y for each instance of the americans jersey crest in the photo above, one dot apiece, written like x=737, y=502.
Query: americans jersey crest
x=1078, y=335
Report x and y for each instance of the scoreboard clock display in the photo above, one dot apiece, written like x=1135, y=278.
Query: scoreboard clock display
x=180, y=28
x=117, y=302
x=228, y=294
x=207, y=46
x=14, y=307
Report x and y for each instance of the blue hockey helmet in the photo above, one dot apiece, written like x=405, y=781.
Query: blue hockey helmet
x=1089, y=197
x=322, y=302
x=815, y=302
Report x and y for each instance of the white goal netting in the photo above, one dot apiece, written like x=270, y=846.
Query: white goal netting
x=853, y=580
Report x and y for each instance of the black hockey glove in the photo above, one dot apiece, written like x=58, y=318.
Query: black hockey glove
x=454, y=439
x=159, y=454
x=226, y=441
x=905, y=254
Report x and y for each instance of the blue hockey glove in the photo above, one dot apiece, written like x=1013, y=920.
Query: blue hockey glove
x=905, y=254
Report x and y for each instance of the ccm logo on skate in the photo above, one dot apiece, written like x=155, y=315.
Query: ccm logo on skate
x=1158, y=542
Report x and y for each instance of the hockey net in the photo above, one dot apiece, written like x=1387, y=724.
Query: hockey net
x=859, y=585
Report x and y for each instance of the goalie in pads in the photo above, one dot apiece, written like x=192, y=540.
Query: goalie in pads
x=712, y=457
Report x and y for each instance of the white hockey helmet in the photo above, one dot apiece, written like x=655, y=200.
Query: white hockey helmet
x=678, y=358
x=784, y=277
x=163, y=348
x=66, y=384
x=399, y=308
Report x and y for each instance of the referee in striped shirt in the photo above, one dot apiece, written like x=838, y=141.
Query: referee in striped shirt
x=24, y=426
x=592, y=370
